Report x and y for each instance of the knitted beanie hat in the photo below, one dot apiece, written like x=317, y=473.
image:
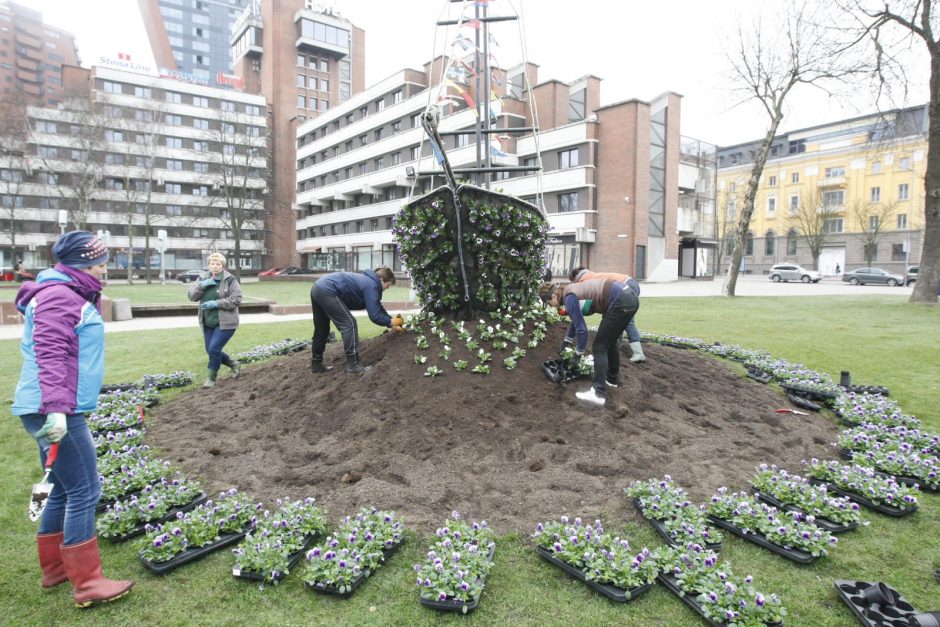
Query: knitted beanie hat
x=80, y=249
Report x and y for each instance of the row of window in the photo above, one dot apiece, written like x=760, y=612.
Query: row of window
x=344, y=228
x=173, y=97
x=870, y=251
x=378, y=105
x=831, y=199
x=904, y=163
x=75, y=154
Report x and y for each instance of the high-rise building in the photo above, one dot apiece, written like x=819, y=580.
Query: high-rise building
x=131, y=156
x=610, y=181
x=32, y=55
x=841, y=195
x=304, y=60
x=190, y=38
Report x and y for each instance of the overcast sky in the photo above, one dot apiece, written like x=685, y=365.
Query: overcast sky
x=639, y=48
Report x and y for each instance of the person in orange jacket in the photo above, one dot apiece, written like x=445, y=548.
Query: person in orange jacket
x=633, y=334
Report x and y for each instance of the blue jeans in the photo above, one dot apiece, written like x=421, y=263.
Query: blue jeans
x=633, y=334
x=606, y=347
x=76, y=488
x=216, y=339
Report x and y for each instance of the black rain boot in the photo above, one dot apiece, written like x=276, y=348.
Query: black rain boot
x=354, y=367
x=317, y=367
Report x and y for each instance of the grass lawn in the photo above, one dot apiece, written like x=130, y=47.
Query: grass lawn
x=881, y=340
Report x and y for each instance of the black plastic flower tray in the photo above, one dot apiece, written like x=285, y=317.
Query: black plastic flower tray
x=868, y=389
x=873, y=615
x=691, y=599
x=556, y=371
x=355, y=583
x=105, y=504
x=137, y=425
x=191, y=555
x=889, y=510
x=455, y=605
x=803, y=402
x=660, y=528
x=825, y=523
x=611, y=592
x=794, y=555
x=292, y=560
x=760, y=376
x=139, y=530
x=117, y=387
x=808, y=392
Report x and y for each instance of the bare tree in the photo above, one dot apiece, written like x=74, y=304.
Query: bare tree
x=871, y=218
x=726, y=214
x=237, y=165
x=78, y=182
x=814, y=221
x=14, y=164
x=890, y=26
x=769, y=62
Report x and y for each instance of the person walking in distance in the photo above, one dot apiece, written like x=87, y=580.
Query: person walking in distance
x=332, y=299
x=633, y=334
x=219, y=296
x=63, y=367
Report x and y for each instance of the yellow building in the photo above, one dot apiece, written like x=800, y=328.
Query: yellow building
x=833, y=197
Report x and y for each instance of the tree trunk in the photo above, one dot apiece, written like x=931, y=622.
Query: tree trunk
x=928, y=279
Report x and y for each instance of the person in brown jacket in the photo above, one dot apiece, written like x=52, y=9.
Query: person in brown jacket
x=633, y=334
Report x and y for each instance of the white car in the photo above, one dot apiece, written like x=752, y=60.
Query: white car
x=792, y=272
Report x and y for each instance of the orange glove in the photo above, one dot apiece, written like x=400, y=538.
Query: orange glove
x=398, y=321
x=397, y=329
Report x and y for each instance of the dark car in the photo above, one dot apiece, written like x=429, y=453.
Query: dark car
x=872, y=276
x=911, y=277
x=188, y=276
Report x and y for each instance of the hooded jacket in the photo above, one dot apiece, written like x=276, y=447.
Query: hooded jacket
x=230, y=297
x=358, y=291
x=62, y=345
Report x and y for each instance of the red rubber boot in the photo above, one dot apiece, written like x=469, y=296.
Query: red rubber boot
x=50, y=559
x=83, y=566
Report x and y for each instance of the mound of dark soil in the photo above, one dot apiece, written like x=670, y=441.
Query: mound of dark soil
x=509, y=447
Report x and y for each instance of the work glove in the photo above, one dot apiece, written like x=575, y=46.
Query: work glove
x=210, y=304
x=398, y=321
x=396, y=328
x=205, y=283
x=55, y=427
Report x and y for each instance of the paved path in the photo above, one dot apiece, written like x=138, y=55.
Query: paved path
x=746, y=286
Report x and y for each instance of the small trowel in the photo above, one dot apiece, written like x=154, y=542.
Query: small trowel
x=41, y=490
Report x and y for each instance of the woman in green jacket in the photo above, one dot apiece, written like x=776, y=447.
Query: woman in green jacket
x=219, y=296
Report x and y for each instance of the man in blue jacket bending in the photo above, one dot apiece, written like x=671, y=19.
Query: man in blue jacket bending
x=333, y=296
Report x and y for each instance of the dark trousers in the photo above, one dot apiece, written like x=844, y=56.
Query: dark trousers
x=329, y=307
x=216, y=339
x=606, y=347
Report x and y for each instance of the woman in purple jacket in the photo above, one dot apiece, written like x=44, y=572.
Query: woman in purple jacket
x=63, y=366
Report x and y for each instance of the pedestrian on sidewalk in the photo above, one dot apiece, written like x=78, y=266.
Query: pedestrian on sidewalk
x=332, y=297
x=63, y=367
x=633, y=334
x=219, y=296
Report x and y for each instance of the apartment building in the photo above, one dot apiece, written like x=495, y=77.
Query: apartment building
x=607, y=176
x=134, y=157
x=32, y=54
x=851, y=191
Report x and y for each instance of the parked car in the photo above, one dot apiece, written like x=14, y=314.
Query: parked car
x=911, y=277
x=874, y=276
x=281, y=271
x=188, y=276
x=271, y=272
x=10, y=274
x=792, y=272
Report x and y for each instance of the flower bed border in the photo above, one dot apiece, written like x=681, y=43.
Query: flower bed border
x=889, y=510
x=689, y=598
x=191, y=555
x=358, y=581
x=611, y=592
x=453, y=605
x=864, y=613
x=660, y=528
x=795, y=555
x=292, y=560
x=825, y=523
x=139, y=530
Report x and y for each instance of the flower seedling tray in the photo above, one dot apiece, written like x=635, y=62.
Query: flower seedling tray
x=803, y=402
x=292, y=560
x=873, y=615
x=760, y=375
x=890, y=510
x=191, y=555
x=611, y=592
x=825, y=523
x=105, y=504
x=691, y=599
x=795, y=555
x=170, y=515
x=556, y=372
x=455, y=605
x=355, y=583
x=660, y=528
x=868, y=389
x=808, y=392
x=117, y=387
